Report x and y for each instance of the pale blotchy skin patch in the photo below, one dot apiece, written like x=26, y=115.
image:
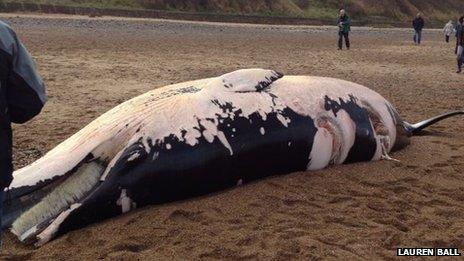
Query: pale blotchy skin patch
x=330, y=126
x=380, y=129
x=104, y=137
x=377, y=123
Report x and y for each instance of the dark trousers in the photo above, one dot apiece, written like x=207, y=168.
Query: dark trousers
x=447, y=38
x=417, y=36
x=340, y=40
x=460, y=56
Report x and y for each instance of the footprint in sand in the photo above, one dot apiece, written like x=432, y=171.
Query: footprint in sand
x=394, y=223
x=440, y=164
x=130, y=247
x=340, y=199
x=293, y=202
x=179, y=215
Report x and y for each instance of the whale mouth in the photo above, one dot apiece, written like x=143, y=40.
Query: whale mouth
x=42, y=219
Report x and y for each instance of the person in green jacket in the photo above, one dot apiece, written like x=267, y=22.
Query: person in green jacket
x=344, y=24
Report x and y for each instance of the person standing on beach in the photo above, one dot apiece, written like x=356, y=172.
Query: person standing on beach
x=455, y=29
x=418, y=24
x=344, y=28
x=22, y=96
x=447, y=30
x=460, y=43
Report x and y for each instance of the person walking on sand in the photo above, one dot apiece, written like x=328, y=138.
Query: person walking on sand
x=22, y=96
x=344, y=28
x=460, y=43
x=447, y=30
x=418, y=24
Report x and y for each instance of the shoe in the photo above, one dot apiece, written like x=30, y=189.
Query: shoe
x=459, y=71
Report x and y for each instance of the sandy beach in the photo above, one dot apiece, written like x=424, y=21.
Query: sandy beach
x=357, y=211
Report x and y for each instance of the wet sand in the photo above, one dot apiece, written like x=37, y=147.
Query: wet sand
x=359, y=211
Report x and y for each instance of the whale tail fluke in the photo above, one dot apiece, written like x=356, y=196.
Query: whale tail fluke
x=414, y=129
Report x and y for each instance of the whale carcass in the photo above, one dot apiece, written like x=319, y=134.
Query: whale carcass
x=198, y=137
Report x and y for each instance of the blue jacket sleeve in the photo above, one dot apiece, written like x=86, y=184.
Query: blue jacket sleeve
x=25, y=89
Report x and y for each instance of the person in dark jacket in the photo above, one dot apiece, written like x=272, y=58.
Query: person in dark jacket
x=455, y=30
x=418, y=24
x=344, y=28
x=460, y=43
x=22, y=96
